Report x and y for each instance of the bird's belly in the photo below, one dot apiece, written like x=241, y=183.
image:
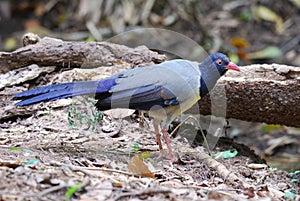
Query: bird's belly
x=168, y=114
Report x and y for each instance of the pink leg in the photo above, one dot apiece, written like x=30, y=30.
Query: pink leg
x=168, y=142
x=156, y=129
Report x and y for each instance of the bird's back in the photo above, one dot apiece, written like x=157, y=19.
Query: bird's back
x=167, y=84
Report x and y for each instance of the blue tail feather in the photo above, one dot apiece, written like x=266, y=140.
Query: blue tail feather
x=65, y=90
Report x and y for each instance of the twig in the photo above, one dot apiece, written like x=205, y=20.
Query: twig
x=221, y=169
x=49, y=190
x=83, y=169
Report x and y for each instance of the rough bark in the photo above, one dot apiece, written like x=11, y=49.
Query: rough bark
x=55, y=52
x=259, y=93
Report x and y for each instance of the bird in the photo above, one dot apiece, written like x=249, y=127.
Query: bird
x=163, y=90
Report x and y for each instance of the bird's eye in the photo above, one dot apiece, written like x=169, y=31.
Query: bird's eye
x=219, y=62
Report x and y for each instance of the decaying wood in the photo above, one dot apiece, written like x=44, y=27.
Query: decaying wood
x=259, y=93
x=55, y=52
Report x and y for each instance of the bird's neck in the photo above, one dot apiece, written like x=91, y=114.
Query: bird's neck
x=209, y=77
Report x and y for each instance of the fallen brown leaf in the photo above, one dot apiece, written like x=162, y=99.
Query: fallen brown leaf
x=137, y=166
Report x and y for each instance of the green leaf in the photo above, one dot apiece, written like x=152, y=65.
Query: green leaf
x=226, y=154
x=90, y=39
x=291, y=174
x=245, y=16
x=15, y=149
x=267, y=53
x=32, y=162
x=229, y=154
x=289, y=194
x=271, y=127
x=294, y=180
x=70, y=192
x=135, y=147
x=217, y=155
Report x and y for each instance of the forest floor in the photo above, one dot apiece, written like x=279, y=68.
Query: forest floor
x=43, y=159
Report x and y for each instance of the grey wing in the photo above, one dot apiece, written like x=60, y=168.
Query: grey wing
x=165, y=84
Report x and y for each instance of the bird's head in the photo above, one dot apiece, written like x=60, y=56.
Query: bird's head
x=222, y=63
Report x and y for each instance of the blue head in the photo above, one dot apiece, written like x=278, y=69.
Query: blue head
x=212, y=68
x=222, y=63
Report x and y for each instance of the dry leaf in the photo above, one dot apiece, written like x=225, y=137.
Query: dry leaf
x=137, y=166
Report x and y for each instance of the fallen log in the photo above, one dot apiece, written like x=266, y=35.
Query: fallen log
x=259, y=93
x=67, y=54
